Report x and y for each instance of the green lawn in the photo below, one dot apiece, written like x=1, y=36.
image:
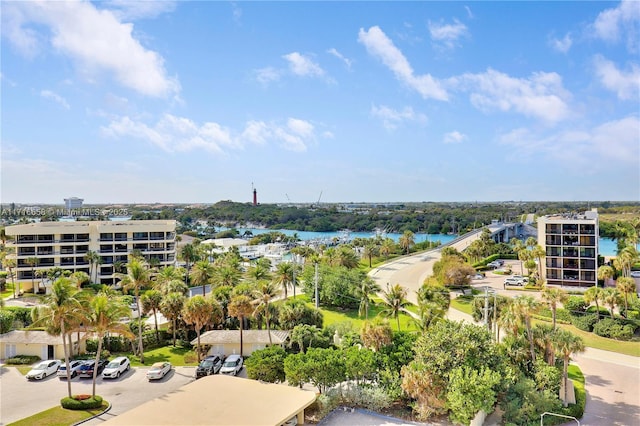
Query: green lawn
x=333, y=316
x=58, y=416
x=177, y=356
x=8, y=291
x=463, y=305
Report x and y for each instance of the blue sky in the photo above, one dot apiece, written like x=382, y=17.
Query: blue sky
x=120, y=101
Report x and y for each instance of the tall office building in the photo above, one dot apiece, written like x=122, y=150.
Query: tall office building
x=65, y=244
x=571, y=245
x=73, y=203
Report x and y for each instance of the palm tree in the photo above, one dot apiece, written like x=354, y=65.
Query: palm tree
x=240, y=307
x=517, y=247
x=605, y=272
x=137, y=277
x=198, y=311
x=79, y=278
x=594, y=294
x=387, y=247
x=189, y=254
x=625, y=259
x=202, y=274
x=92, y=257
x=265, y=292
x=151, y=301
x=10, y=264
x=611, y=297
x=565, y=344
x=368, y=287
x=167, y=275
x=33, y=262
x=626, y=286
x=531, y=242
x=369, y=251
x=433, y=303
x=61, y=308
x=406, y=241
x=553, y=296
x=171, y=307
x=543, y=337
x=284, y=276
x=395, y=299
x=524, y=307
x=104, y=317
x=258, y=272
x=538, y=253
x=226, y=274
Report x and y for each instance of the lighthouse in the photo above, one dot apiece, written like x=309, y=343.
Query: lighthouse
x=255, y=196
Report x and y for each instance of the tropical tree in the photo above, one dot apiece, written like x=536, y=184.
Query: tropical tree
x=543, y=335
x=595, y=295
x=368, y=287
x=395, y=299
x=105, y=313
x=626, y=286
x=265, y=292
x=240, y=307
x=625, y=259
x=387, y=247
x=189, y=254
x=198, y=311
x=259, y=272
x=518, y=247
x=552, y=296
x=166, y=275
x=93, y=258
x=33, y=262
x=10, y=265
x=346, y=256
x=284, y=276
x=376, y=334
x=605, y=272
x=611, y=297
x=137, y=277
x=406, y=241
x=226, y=275
x=171, y=307
x=524, y=307
x=62, y=307
x=566, y=344
x=433, y=304
x=151, y=302
x=202, y=274
x=78, y=278
x=369, y=251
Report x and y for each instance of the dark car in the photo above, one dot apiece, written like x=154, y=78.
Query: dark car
x=86, y=369
x=209, y=365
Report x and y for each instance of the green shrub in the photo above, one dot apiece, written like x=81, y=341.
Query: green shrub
x=22, y=360
x=22, y=315
x=7, y=319
x=576, y=305
x=585, y=322
x=613, y=329
x=80, y=402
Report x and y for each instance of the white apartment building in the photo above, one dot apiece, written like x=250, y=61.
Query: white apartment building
x=571, y=245
x=65, y=245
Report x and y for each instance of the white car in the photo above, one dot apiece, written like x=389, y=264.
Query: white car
x=115, y=368
x=158, y=370
x=74, y=366
x=43, y=369
x=635, y=274
x=515, y=280
x=232, y=365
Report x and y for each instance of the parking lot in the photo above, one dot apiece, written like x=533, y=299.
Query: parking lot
x=22, y=398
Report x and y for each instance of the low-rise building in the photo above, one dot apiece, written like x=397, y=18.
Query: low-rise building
x=38, y=343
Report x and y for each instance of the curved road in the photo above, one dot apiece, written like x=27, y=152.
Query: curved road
x=612, y=380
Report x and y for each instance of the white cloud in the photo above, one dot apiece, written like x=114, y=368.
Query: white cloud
x=340, y=56
x=623, y=21
x=614, y=143
x=95, y=39
x=391, y=118
x=381, y=47
x=541, y=95
x=469, y=13
x=447, y=35
x=562, y=45
x=454, y=137
x=625, y=84
x=48, y=94
x=180, y=134
x=133, y=10
x=266, y=75
x=302, y=65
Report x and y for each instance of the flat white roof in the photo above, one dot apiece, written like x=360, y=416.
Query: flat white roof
x=221, y=400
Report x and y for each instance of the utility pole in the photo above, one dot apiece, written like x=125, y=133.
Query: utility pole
x=486, y=307
x=316, y=290
x=293, y=258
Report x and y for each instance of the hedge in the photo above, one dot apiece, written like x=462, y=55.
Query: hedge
x=81, y=402
x=22, y=360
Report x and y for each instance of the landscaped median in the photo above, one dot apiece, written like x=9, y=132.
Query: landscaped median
x=59, y=416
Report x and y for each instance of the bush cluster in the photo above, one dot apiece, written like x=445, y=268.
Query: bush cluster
x=613, y=329
x=22, y=360
x=79, y=402
x=585, y=322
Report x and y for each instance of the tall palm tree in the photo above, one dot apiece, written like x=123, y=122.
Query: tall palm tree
x=61, y=308
x=284, y=276
x=198, y=311
x=539, y=253
x=395, y=299
x=258, y=272
x=151, y=301
x=626, y=286
x=368, y=287
x=611, y=297
x=202, y=274
x=406, y=241
x=10, y=265
x=347, y=257
x=517, y=247
x=92, y=257
x=626, y=258
x=386, y=248
x=240, y=307
x=565, y=344
x=189, y=254
x=531, y=242
x=594, y=294
x=33, y=262
x=79, y=278
x=265, y=292
x=167, y=275
x=525, y=307
x=104, y=317
x=171, y=307
x=605, y=272
x=552, y=296
x=543, y=338
x=137, y=277
x=226, y=274
x=433, y=304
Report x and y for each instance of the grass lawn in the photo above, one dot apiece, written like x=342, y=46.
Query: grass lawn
x=23, y=369
x=58, y=416
x=576, y=375
x=463, y=305
x=8, y=292
x=177, y=356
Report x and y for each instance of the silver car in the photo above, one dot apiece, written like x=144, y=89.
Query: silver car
x=43, y=369
x=232, y=365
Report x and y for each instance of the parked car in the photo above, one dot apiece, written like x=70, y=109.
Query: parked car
x=86, y=369
x=516, y=280
x=495, y=264
x=43, y=369
x=208, y=366
x=232, y=365
x=73, y=369
x=158, y=370
x=115, y=368
x=635, y=274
